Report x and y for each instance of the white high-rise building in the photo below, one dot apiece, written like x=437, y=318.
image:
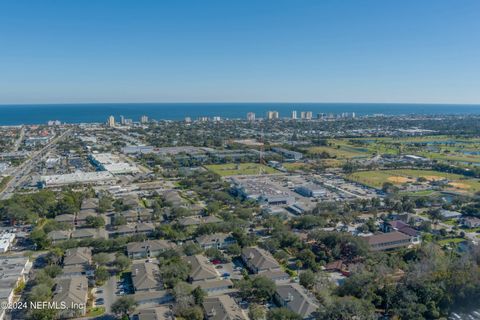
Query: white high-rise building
x=144, y=119
x=251, y=116
x=308, y=115
x=294, y=114
x=272, y=115
x=122, y=120
x=111, y=121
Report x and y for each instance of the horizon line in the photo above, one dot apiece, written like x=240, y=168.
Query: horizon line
x=232, y=102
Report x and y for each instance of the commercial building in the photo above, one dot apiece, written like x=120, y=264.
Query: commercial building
x=251, y=116
x=288, y=154
x=138, y=149
x=263, y=191
x=111, y=163
x=6, y=241
x=311, y=190
x=272, y=115
x=294, y=115
x=59, y=180
x=111, y=121
x=13, y=270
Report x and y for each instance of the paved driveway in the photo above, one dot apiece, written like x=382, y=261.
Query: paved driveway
x=108, y=293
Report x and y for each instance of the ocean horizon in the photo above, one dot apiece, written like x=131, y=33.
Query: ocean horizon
x=17, y=114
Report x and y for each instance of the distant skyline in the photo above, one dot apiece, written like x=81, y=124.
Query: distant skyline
x=239, y=51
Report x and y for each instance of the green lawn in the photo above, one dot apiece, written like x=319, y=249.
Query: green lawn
x=377, y=178
x=341, y=152
x=292, y=166
x=451, y=240
x=232, y=169
x=4, y=181
x=95, y=311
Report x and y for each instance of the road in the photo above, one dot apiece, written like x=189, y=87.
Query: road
x=21, y=173
x=18, y=142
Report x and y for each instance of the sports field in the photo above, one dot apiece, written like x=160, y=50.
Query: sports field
x=377, y=178
x=232, y=169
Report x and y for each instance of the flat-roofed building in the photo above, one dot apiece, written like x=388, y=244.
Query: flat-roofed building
x=59, y=180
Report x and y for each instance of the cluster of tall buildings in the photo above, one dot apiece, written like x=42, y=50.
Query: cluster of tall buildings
x=124, y=121
x=302, y=115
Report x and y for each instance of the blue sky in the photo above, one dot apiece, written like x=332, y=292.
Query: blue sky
x=240, y=50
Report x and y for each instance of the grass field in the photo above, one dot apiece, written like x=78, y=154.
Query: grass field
x=376, y=179
x=341, y=152
x=232, y=169
x=4, y=181
x=292, y=166
x=451, y=240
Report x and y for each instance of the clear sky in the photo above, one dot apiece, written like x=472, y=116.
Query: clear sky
x=240, y=50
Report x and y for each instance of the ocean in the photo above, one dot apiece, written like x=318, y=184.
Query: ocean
x=99, y=112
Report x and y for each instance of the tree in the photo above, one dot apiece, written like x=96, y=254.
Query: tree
x=234, y=249
x=389, y=187
x=122, y=262
x=191, y=249
x=54, y=255
x=40, y=292
x=39, y=237
x=53, y=271
x=104, y=204
x=256, y=312
x=198, y=295
x=101, y=275
x=119, y=220
x=347, y=308
x=101, y=259
x=214, y=253
x=307, y=279
x=95, y=222
x=260, y=289
x=42, y=314
x=282, y=314
x=123, y=306
x=192, y=313
x=435, y=215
